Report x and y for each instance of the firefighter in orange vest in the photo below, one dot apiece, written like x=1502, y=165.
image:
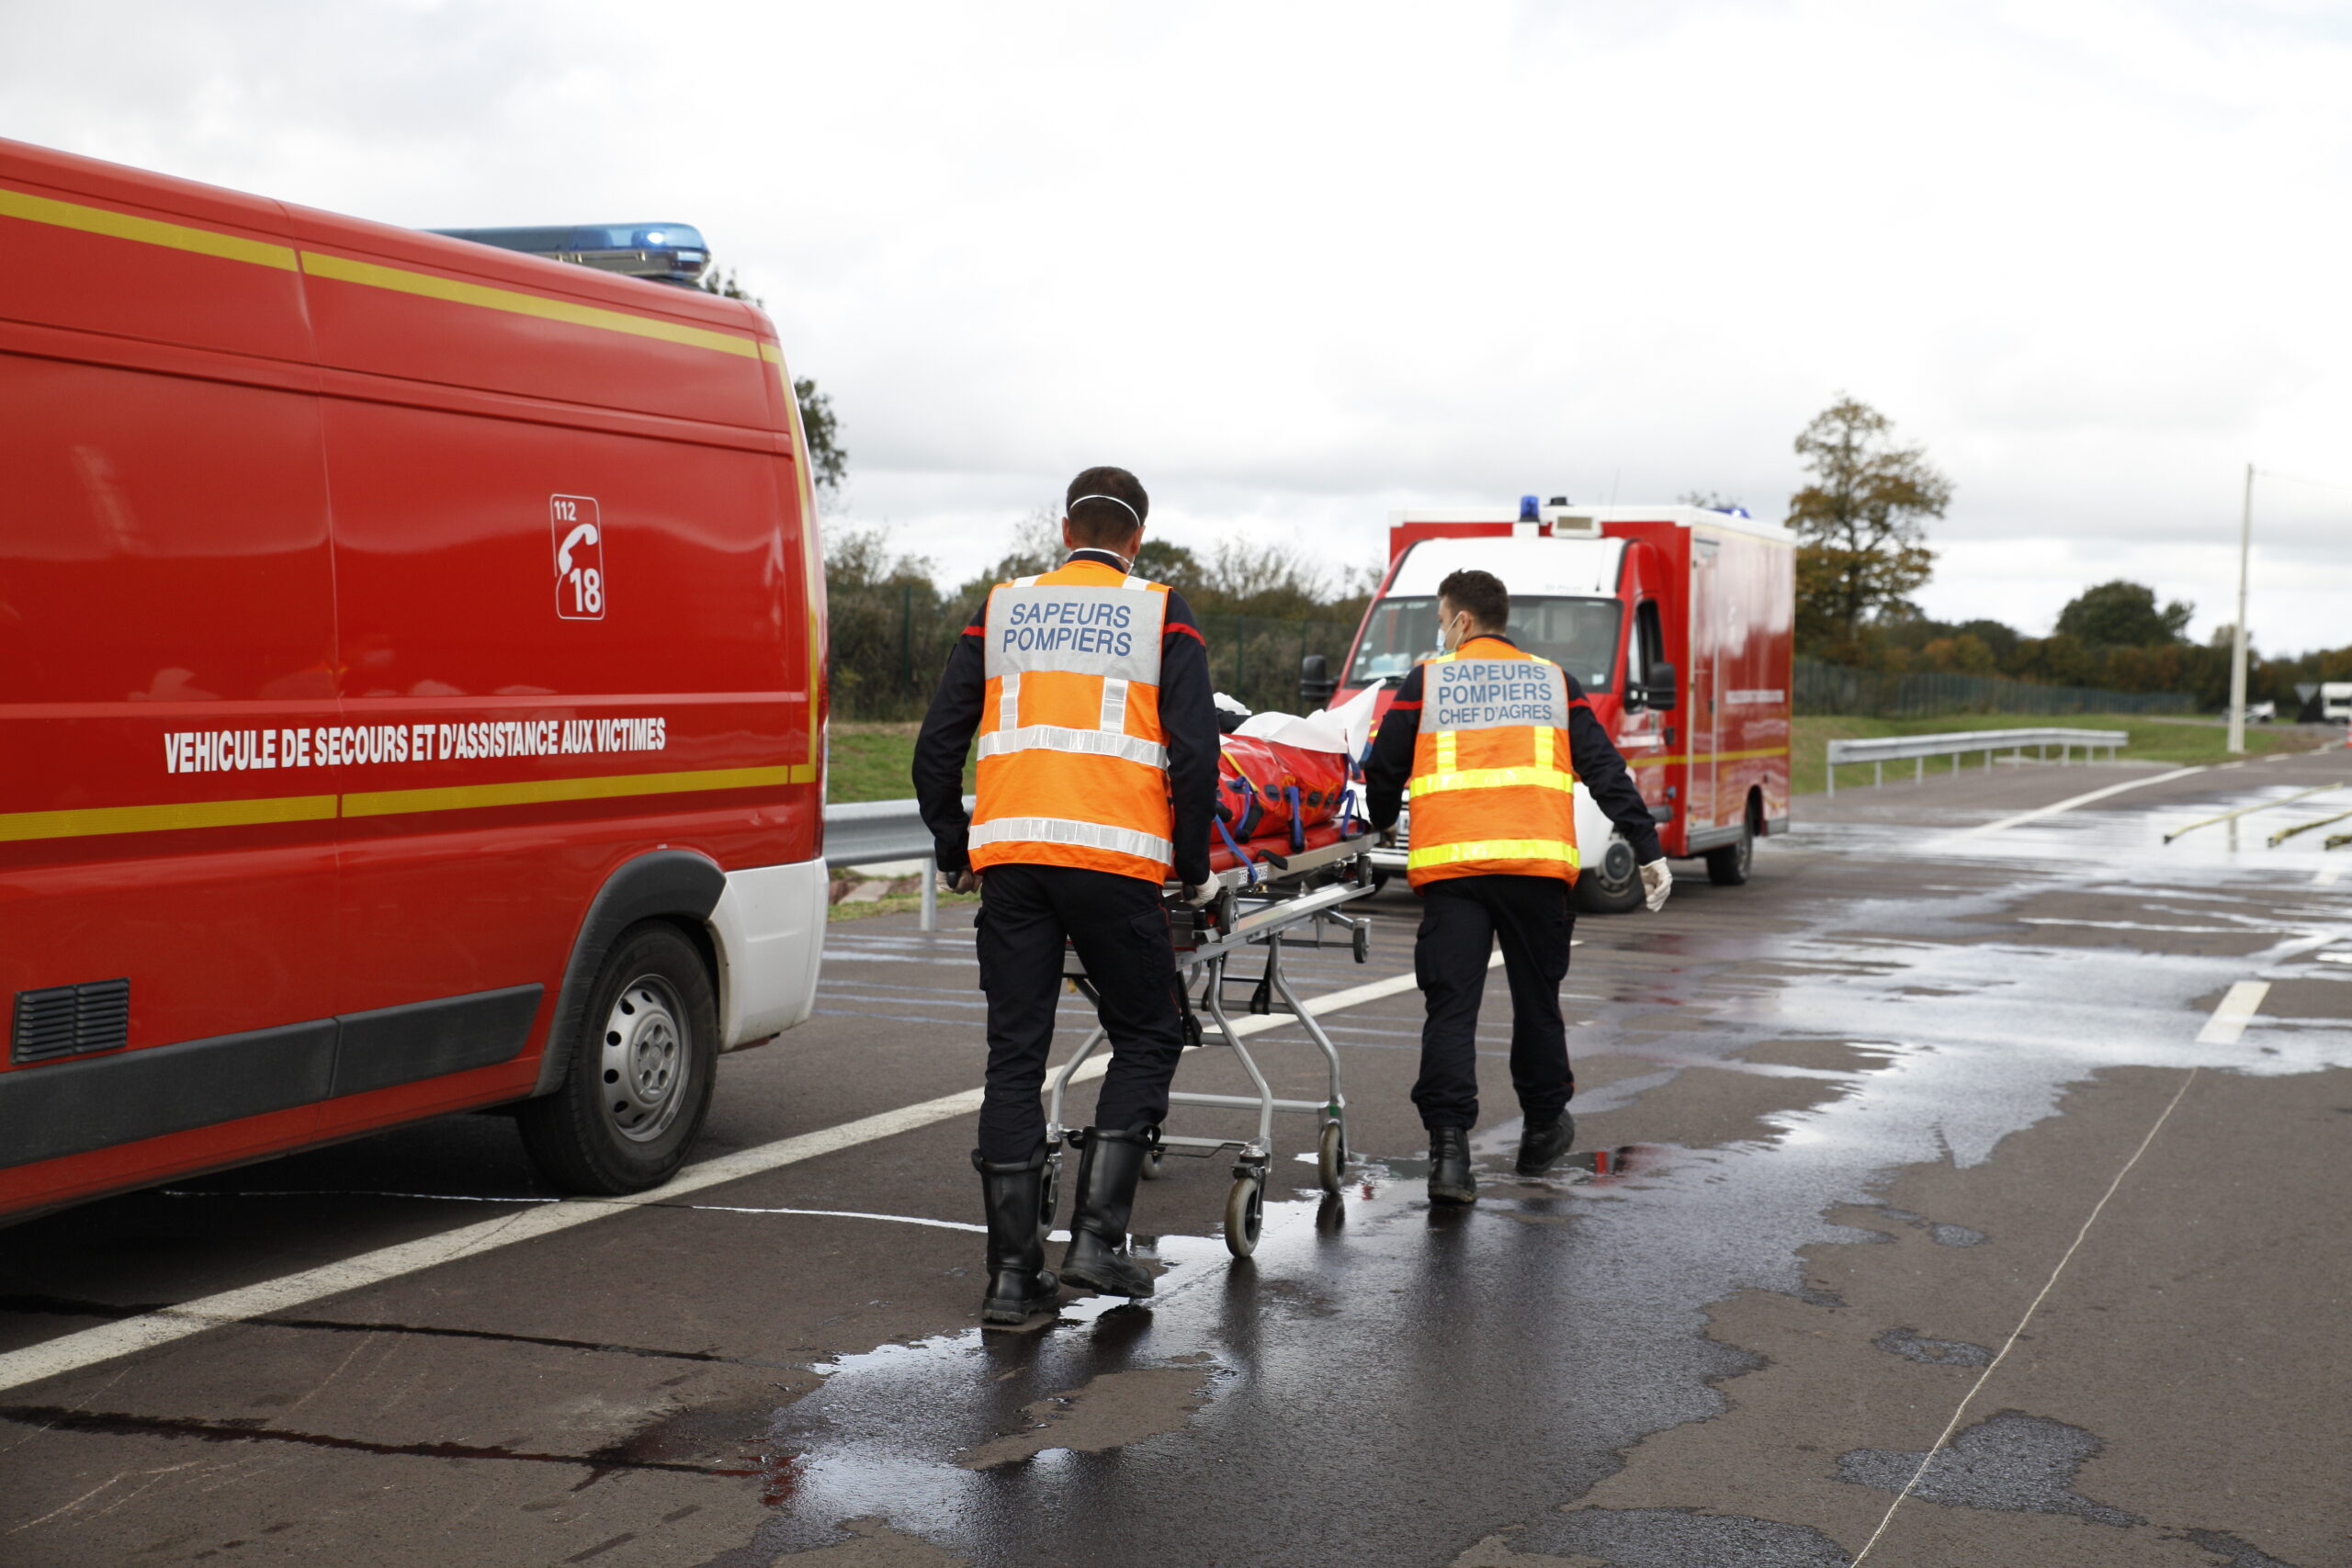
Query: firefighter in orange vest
x=1492, y=740
x=1087, y=688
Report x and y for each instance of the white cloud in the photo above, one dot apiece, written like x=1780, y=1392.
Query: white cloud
x=1298, y=265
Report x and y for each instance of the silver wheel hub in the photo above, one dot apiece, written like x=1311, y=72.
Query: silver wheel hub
x=644, y=1059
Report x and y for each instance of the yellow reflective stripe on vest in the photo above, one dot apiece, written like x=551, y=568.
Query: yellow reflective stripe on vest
x=1421, y=857
x=1494, y=778
x=1062, y=830
x=1077, y=742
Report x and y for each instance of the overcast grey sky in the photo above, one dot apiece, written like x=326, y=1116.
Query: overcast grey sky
x=1296, y=265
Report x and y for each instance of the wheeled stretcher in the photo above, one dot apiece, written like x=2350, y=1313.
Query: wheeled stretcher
x=1269, y=903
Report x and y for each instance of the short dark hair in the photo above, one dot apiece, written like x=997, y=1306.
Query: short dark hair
x=1480, y=593
x=1099, y=522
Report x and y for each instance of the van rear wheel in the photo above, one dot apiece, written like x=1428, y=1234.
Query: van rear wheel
x=1729, y=866
x=642, y=1066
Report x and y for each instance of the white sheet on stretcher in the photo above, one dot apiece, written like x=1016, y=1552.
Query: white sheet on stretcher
x=1346, y=729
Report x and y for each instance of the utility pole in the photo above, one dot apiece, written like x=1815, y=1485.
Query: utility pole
x=2237, y=642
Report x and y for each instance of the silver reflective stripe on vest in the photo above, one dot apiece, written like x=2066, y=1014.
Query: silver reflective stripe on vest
x=1111, y=632
x=1114, y=708
x=1061, y=831
x=1085, y=742
x=1495, y=694
x=1008, y=703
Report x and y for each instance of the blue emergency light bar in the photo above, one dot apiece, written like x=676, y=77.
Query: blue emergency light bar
x=666, y=252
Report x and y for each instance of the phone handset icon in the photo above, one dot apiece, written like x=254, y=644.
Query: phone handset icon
x=586, y=533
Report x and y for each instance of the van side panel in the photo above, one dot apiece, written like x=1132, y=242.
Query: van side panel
x=166, y=620
x=670, y=707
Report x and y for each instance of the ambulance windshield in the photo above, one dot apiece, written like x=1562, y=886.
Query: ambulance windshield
x=1580, y=635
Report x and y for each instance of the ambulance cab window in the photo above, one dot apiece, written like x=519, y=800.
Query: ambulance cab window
x=1577, y=634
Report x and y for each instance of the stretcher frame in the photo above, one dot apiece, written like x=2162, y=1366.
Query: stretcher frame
x=1287, y=901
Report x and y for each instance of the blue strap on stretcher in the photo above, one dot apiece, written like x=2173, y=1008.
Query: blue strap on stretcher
x=1297, y=819
x=1238, y=853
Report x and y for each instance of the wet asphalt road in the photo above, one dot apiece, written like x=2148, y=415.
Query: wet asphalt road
x=1933, y=1146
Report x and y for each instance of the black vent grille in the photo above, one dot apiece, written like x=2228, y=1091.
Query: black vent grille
x=71, y=1021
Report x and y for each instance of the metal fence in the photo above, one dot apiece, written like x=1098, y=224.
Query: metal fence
x=1256, y=658
x=1822, y=688
x=1917, y=749
x=890, y=641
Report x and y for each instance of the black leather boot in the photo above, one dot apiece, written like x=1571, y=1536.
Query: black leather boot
x=1019, y=1281
x=1540, y=1146
x=1107, y=1173
x=1449, y=1177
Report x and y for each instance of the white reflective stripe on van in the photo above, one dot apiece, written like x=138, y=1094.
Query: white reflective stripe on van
x=1110, y=632
x=1061, y=831
x=1008, y=704
x=1079, y=742
x=1115, y=706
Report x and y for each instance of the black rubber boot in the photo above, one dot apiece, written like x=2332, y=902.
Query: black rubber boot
x=1019, y=1281
x=1449, y=1177
x=1107, y=1173
x=1539, y=1148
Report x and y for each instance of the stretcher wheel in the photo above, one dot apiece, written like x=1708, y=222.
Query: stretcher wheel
x=1331, y=1157
x=1049, y=1194
x=1151, y=1172
x=1245, y=1212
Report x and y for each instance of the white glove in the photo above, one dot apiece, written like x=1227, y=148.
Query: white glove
x=1204, y=895
x=1656, y=883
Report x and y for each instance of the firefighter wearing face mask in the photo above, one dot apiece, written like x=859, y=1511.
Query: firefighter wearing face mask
x=1087, y=690
x=1491, y=740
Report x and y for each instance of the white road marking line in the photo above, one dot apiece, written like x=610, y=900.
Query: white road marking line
x=831, y=1215
x=2326, y=875
x=2022, y=817
x=2015, y=1334
x=2233, y=1012
x=71, y=1352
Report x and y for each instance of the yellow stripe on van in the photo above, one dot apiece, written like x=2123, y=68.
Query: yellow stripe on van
x=91, y=821
x=145, y=231
x=1633, y=760
x=534, y=792
x=344, y=269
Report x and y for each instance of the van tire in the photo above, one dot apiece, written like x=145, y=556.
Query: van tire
x=652, y=1018
x=1729, y=866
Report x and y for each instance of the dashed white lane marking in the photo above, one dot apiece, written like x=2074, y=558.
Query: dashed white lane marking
x=2326, y=875
x=2022, y=817
x=2233, y=1012
x=71, y=1352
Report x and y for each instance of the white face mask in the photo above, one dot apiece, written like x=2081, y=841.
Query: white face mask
x=1452, y=631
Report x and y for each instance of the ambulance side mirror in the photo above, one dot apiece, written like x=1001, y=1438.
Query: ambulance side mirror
x=1315, y=682
x=1657, y=692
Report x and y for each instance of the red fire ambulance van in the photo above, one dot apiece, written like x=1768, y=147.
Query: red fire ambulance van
x=1677, y=620
x=414, y=693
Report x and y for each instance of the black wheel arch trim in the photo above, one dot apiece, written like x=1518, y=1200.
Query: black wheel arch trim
x=660, y=884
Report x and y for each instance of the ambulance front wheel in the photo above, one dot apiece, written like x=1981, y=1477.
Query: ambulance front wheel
x=1610, y=882
x=642, y=1065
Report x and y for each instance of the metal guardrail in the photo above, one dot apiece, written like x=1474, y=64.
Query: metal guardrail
x=866, y=832
x=1967, y=743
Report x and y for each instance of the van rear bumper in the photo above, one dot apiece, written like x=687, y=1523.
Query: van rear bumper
x=769, y=930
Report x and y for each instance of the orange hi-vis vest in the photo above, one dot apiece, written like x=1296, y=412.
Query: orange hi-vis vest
x=1493, y=787
x=1073, y=763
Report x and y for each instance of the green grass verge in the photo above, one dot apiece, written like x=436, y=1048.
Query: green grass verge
x=900, y=904
x=875, y=762
x=2153, y=740
x=871, y=761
